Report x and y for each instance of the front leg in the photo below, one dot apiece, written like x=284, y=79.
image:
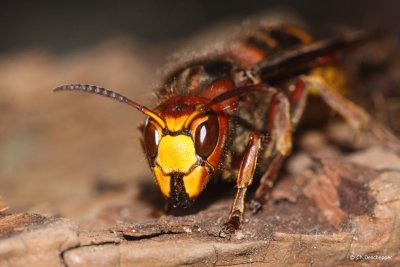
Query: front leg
x=244, y=179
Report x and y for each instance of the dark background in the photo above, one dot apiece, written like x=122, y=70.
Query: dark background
x=67, y=25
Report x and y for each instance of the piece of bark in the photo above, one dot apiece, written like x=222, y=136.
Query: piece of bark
x=34, y=240
x=300, y=226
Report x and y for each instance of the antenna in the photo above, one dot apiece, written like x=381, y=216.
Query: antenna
x=93, y=89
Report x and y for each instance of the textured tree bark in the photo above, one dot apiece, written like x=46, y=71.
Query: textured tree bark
x=331, y=213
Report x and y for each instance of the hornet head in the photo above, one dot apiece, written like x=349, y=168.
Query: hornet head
x=183, y=138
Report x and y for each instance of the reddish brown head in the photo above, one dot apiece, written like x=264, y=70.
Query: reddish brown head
x=185, y=152
x=184, y=140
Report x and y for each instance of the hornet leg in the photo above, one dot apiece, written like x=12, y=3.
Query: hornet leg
x=279, y=125
x=244, y=179
x=356, y=116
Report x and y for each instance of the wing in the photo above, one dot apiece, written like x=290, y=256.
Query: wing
x=291, y=61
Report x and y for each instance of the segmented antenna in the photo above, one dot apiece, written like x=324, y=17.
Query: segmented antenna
x=93, y=89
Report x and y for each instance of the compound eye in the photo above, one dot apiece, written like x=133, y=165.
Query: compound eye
x=206, y=136
x=151, y=139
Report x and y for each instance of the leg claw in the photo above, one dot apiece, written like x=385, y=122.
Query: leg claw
x=230, y=227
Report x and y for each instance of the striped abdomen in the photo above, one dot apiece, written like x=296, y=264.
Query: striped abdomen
x=199, y=74
x=266, y=42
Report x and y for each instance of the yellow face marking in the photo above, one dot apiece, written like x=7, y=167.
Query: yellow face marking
x=175, y=124
x=194, y=181
x=163, y=181
x=154, y=116
x=176, y=154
